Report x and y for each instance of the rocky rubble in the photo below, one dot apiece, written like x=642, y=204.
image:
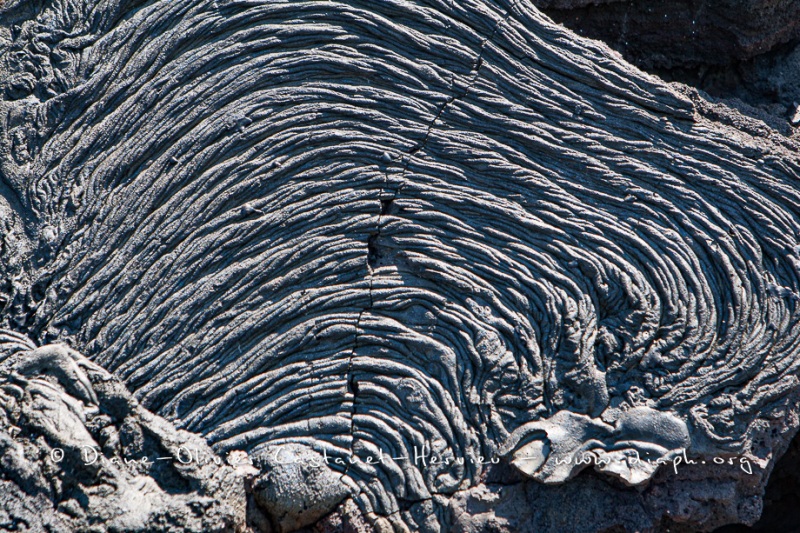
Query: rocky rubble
x=79, y=454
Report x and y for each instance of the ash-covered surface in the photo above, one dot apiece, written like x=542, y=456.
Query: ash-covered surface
x=338, y=236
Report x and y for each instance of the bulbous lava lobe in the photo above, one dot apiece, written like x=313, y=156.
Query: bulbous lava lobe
x=362, y=225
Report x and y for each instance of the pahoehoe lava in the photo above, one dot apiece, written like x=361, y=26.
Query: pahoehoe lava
x=362, y=226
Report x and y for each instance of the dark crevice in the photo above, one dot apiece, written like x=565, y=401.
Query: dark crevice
x=386, y=204
x=373, y=252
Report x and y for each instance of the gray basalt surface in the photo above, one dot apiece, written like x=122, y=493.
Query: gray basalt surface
x=372, y=229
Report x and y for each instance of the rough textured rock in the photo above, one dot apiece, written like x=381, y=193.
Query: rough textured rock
x=781, y=499
x=384, y=229
x=297, y=489
x=734, y=49
x=673, y=33
x=80, y=454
